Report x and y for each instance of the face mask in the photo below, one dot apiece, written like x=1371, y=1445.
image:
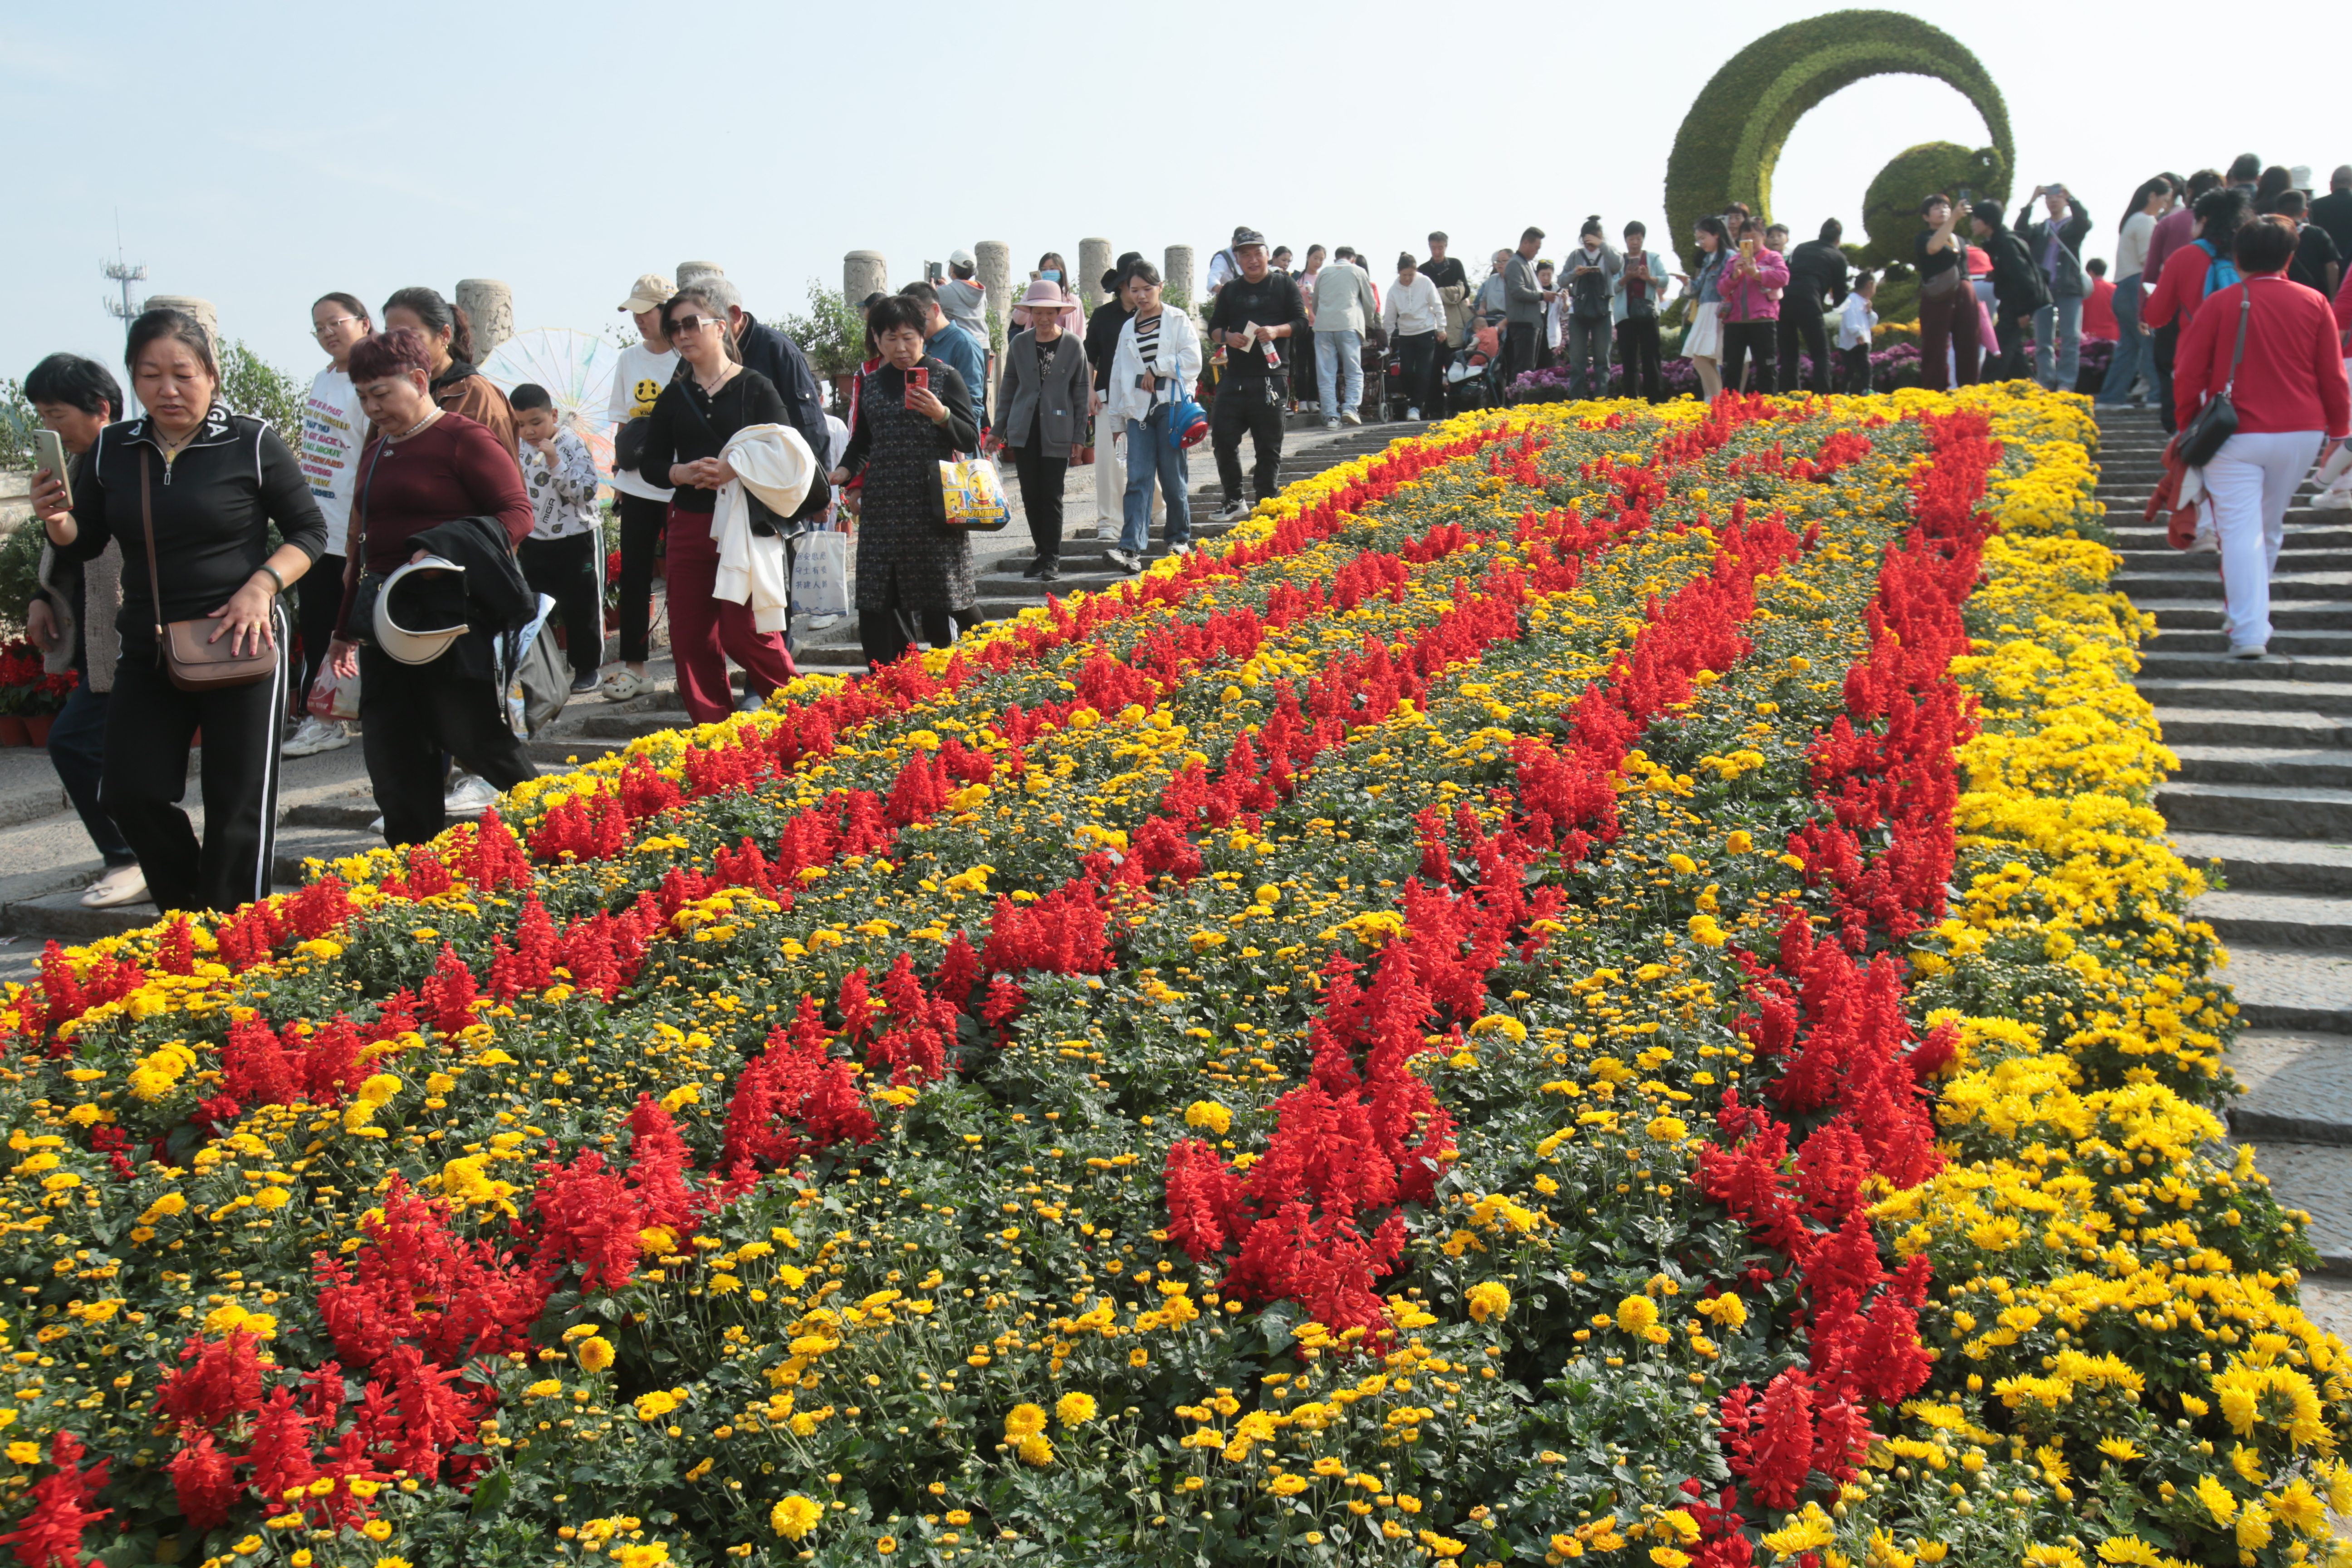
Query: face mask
x=1051, y=274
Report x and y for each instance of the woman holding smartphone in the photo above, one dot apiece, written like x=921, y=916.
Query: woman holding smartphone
x=914, y=573
x=199, y=487
x=1051, y=268
x=710, y=397
x=1948, y=307
x=1704, y=341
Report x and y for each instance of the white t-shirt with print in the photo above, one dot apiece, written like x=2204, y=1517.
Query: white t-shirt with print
x=328, y=446
x=637, y=379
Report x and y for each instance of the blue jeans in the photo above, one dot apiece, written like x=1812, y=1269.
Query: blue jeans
x=1342, y=393
x=1149, y=453
x=2064, y=316
x=2130, y=351
x=77, y=750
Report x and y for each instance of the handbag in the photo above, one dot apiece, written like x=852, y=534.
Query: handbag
x=821, y=576
x=973, y=492
x=195, y=663
x=2202, y=436
x=1945, y=284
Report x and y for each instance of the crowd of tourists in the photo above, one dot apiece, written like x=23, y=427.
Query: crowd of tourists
x=421, y=515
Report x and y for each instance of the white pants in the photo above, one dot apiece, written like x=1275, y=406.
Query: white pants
x=2250, y=481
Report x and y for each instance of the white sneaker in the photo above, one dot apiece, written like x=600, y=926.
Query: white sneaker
x=120, y=885
x=2332, y=501
x=1330, y=424
x=2205, y=540
x=2248, y=650
x=316, y=735
x=1413, y=414
x=470, y=796
x=1179, y=550
x=1351, y=417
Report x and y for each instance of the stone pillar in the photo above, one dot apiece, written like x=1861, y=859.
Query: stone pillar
x=202, y=310
x=863, y=272
x=1176, y=274
x=992, y=260
x=489, y=304
x=687, y=269
x=1093, y=261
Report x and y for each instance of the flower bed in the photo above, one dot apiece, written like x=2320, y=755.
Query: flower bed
x=1600, y=986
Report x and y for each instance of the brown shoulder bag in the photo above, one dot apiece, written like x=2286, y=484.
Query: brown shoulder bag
x=192, y=663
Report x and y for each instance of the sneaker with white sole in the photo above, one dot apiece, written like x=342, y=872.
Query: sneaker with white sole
x=120, y=885
x=1232, y=511
x=2248, y=650
x=2333, y=500
x=582, y=685
x=1330, y=424
x=1123, y=560
x=470, y=796
x=316, y=735
x=1351, y=417
x=1413, y=413
x=2205, y=540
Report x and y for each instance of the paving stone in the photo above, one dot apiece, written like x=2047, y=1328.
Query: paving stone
x=2327, y=1301
x=2290, y=988
x=2298, y=1086
x=2275, y=811
x=2324, y=765
x=2286, y=865
x=2277, y=919
x=2185, y=726
x=2317, y=1179
x=2249, y=691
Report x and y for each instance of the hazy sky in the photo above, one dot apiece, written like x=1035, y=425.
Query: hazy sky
x=261, y=154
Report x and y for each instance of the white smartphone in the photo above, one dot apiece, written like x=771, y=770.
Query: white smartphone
x=49, y=452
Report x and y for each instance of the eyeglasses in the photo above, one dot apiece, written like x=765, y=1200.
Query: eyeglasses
x=689, y=324
x=321, y=329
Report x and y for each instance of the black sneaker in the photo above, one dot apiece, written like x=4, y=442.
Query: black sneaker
x=1036, y=568
x=1048, y=571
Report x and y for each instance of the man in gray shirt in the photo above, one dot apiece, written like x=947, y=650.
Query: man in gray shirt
x=1524, y=299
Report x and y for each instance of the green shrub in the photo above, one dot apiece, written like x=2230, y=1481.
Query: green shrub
x=251, y=384
x=20, y=566
x=1890, y=210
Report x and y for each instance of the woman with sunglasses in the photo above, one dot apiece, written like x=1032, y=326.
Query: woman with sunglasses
x=711, y=397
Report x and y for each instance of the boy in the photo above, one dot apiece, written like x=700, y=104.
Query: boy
x=1855, y=320
x=565, y=556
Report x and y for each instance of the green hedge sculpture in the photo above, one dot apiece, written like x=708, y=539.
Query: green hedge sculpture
x=1733, y=135
x=1890, y=209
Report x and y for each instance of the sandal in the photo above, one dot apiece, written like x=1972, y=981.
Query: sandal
x=623, y=684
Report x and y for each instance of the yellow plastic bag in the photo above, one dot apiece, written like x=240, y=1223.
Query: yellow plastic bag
x=975, y=492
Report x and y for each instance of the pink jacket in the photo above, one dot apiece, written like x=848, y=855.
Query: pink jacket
x=1747, y=298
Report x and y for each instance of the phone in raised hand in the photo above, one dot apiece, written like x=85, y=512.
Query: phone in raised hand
x=49, y=452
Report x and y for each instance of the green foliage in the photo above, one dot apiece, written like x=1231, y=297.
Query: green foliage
x=17, y=424
x=832, y=334
x=20, y=565
x=251, y=384
x=1731, y=140
x=1890, y=210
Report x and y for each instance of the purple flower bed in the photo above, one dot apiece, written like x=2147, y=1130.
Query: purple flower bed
x=1889, y=368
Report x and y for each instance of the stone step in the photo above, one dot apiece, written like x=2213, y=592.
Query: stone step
x=2135, y=536
x=2302, y=765
x=2326, y=669
x=2231, y=726
x=2298, y=614
x=2285, y=645
x=2254, y=691
x=61, y=916
x=295, y=845
x=2315, y=1178
x=2292, y=557
x=2268, y=811
x=2206, y=583
x=2298, y=1086
x=2290, y=987
x=2277, y=919
x=2270, y=865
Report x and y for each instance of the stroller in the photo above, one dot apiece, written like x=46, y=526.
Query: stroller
x=1474, y=379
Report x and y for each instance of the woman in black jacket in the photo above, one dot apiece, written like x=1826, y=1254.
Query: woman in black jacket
x=710, y=397
x=914, y=573
x=212, y=482
x=2019, y=290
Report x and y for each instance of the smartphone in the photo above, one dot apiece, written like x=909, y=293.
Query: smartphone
x=1747, y=248
x=49, y=452
x=920, y=377
x=934, y=272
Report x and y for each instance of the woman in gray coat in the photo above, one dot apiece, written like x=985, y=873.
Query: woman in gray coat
x=1041, y=414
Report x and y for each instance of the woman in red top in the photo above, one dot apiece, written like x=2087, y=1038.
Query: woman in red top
x=2290, y=392
x=426, y=465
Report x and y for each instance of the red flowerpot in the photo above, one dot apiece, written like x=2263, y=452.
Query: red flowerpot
x=13, y=732
x=36, y=727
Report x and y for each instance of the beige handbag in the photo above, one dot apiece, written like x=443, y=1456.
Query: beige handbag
x=193, y=663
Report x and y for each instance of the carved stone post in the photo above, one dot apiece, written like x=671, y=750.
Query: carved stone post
x=489, y=304
x=992, y=259
x=202, y=310
x=1176, y=274
x=863, y=272
x=1093, y=261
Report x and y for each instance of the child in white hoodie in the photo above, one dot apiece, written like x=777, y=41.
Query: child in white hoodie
x=1855, y=322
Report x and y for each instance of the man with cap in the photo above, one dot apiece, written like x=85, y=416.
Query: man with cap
x=1256, y=317
x=645, y=368
x=963, y=300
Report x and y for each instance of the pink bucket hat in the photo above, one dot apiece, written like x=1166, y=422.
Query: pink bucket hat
x=1045, y=296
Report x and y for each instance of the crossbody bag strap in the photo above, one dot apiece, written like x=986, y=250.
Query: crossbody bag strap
x=147, y=528
x=2245, y=310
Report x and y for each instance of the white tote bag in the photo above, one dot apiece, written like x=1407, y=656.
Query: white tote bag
x=820, y=577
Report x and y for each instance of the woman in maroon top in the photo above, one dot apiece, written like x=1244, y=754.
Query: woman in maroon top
x=2290, y=394
x=425, y=466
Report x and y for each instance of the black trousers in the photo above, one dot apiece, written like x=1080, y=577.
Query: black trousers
x=642, y=522
x=884, y=634
x=1520, y=340
x=568, y=571
x=318, y=599
x=149, y=725
x=2015, y=360
x=1417, y=353
x=410, y=714
x=1741, y=339
x=2167, y=342
x=1801, y=328
x=1248, y=404
x=1637, y=355
x=1302, y=369
x=1041, y=479
x=1857, y=369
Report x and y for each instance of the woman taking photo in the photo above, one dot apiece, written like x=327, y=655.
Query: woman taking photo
x=192, y=489
x=1949, y=331
x=425, y=466
x=914, y=573
x=458, y=386
x=1159, y=356
x=710, y=397
x=1041, y=413
x=1704, y=342
x=2287, y=384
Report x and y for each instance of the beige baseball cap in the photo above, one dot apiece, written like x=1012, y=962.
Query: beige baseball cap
x=647, y=292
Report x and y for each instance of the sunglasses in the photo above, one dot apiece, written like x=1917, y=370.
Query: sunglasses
x=691, y=323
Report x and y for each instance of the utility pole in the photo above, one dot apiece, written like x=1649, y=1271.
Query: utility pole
x=125, y=274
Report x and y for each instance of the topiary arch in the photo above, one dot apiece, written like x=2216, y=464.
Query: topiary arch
x=1733, y=135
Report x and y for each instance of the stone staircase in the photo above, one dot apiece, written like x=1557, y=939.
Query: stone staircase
x=2263, y=800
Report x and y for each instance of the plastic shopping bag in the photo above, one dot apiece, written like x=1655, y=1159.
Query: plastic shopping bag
x=975, y=492
x=332, y=696
x=820, y=577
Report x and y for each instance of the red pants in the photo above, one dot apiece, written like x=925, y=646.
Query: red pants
x=704, y=633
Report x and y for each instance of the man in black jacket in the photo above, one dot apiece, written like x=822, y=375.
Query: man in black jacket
x=1817, y=276
x=1257, y=316
x=2019, y=290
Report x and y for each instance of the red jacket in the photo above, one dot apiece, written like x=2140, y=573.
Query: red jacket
x=2173, y=232
x=2180, y=290
x=2099, y=310
x=2344, y=304
x=2293, y=375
